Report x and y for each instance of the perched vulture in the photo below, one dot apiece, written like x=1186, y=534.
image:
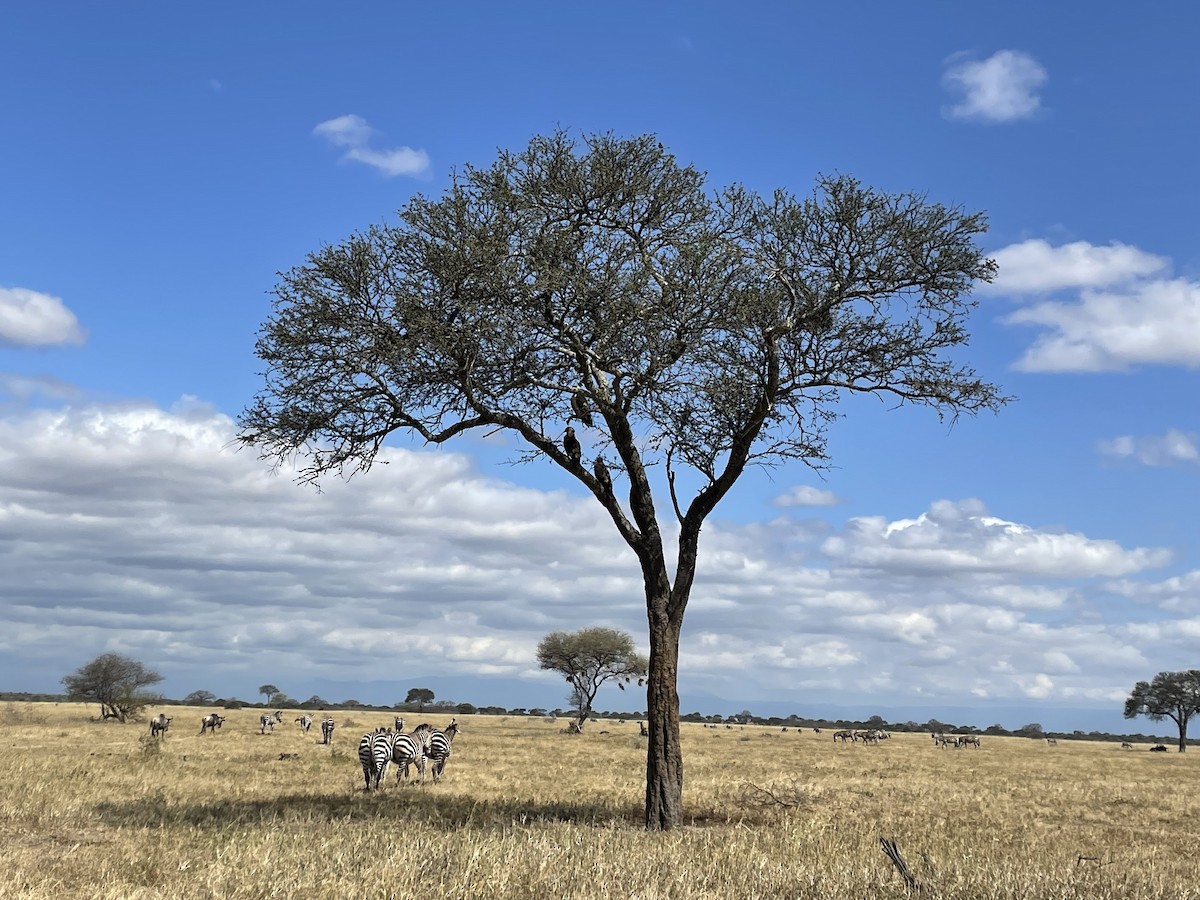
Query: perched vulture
x=602, y=476
x=582, y=411
x=571, y=445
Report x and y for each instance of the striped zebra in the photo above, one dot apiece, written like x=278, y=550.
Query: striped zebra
x=326, y=730
x=211, y=723
x=439, y=748
x=375, y=753
x=843, y=736
x=968, y=739
x=399, y=723
x=305, y=722
x=159, y=725
x=411, y=749
x=269, y=720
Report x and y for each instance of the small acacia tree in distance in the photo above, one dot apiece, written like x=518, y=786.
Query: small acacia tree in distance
x=419, y=696
x=587, y=659
x=116, y=682
x=199, y=698
x=690, y=334
x=1171, y=695
x=268, y=691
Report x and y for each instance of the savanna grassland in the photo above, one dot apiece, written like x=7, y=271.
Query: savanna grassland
x=97, y=810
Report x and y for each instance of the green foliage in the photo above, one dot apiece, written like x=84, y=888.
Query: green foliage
x=691, y=331
x=419, y=697
x=587, y=659
x=1172, y=695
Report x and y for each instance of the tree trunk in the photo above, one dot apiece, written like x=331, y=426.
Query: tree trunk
x=664, y=756
x=1182, y=735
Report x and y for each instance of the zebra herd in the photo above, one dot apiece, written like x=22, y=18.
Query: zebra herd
x=423, y=745
x=954, y=740
x=872, y=736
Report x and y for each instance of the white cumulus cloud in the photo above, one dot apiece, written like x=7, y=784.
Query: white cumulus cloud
x=1098, y=308
x=1002, y=88
x=352, y=133
x=32, y=319
x=963, y=537
x=1037, y=266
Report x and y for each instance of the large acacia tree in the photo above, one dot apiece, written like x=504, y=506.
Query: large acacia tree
x=1171, y=695
x=683, y=333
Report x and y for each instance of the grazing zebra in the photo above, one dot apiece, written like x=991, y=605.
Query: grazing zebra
x=326, y=730
x=305, y=722
x=968, y=739
x=411, y=749
x=375, y=753
x=843, y=736
x=269, y=720
x=1051, y=742
x=211, y=723
x=159, y=725
x=399, y=723
x=439, y=748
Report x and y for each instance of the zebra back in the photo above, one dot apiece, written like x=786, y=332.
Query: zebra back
x=439, y=748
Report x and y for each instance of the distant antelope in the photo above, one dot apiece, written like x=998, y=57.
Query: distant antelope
x=1125, y=745
x=1051, y=742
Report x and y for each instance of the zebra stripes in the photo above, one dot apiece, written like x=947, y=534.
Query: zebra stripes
x=411, y=749
x=159, y=725
x=375, y=753
x=211, y=723
x=439, y=748
x=269, y=720
x=326, y=730
x=305, y=722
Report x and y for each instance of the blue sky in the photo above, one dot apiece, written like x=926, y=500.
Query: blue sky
x=161, y=164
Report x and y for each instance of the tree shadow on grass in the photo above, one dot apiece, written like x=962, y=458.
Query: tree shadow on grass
x=443, y=811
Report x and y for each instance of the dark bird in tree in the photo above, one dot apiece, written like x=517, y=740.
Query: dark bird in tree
x=602, y=476
x=571, y=445
x=583, y=413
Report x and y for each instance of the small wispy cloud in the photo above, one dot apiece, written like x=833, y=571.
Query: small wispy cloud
x=1173, y=448
x=806, y=495
x=32, y=319
x=1002, y=88
x=352, y=133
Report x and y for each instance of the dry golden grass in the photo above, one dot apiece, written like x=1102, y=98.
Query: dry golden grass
x=95, y=810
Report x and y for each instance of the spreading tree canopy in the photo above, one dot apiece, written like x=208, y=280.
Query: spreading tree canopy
x=1171, y=695
x=587, y=659
x=116, y=682
x=419, y=696
x=650, y=336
